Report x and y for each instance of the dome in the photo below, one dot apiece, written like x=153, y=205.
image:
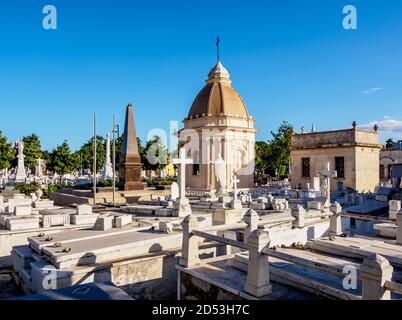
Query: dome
x=218, y=98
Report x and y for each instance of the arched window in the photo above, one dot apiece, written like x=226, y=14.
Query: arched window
x=382, y=171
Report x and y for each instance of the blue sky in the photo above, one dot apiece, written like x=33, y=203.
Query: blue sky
x=290, y=60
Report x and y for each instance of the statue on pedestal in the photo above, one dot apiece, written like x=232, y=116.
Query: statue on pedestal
x=220, y=175
x=21, y=174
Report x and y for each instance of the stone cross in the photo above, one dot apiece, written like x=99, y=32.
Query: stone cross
x=182, y=161
x=326, y=176
x=235, y=182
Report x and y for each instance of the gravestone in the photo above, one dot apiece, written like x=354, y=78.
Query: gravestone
x=316, y=184
x=174, y=191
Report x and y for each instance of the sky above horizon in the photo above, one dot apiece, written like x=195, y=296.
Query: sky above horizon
x=290, y=60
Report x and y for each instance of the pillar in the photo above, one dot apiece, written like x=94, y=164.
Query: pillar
x=399, y=228
x=251, y=218
x=258, y=283
x=335, y=221
x=190, y=242
x=375, y=271
x=299, y=213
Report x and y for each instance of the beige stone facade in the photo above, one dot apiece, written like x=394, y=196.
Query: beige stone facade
x=218, y=124
x=354, y=153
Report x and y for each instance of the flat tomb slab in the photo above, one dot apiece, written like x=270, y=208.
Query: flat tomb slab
x=370, y=207
x=359, y=248
x=387, y=230
x=38, y=243
x=109, y=248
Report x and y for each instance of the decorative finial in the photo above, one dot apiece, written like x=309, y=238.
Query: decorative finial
x=302, y=130
x=376, y=127
x=218, y=55
x=313, y=130
x=354, y=124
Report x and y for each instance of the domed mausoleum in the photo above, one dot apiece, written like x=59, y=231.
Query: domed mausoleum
x=218, y=126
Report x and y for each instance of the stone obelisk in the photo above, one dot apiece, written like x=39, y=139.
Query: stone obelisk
x=130, y=163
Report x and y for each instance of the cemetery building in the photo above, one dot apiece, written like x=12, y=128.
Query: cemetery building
x=354, y=153
x=219, y=127
x=387, y=161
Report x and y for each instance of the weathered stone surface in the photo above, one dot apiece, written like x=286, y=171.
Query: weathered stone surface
x=104, y=222
x=123, y=220
x=22, y=210
x=84, y=219
x=84, y=209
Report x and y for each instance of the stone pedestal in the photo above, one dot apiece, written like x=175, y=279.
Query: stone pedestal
x=130, y=174
x=335, y=221
x=227, y=216
x=258, y=283
x=182, y=208
x=394, y=208
x=20, y=175
x=236, y=204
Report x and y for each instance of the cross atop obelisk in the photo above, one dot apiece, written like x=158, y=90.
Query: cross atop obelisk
x=218, y=55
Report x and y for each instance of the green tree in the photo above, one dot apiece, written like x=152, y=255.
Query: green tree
x=280, y=147
x=62, y=160
x=32, y=150
x=86, y=152
x=262, y=156
x=390, y=145
x=155, y=155
x=7, y=153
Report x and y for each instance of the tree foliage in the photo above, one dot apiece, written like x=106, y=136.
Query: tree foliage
x=7, y=153
x=62, y=161
x=262, y=156
x=86, y=153
x=32, y=150
x=390, y=145
x=274, y=154
x=155, y=155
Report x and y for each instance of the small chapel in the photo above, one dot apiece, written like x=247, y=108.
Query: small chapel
x=218, y=128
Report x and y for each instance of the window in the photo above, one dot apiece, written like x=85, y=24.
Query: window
x=196, y=163
x=382, y=171
x=340, y=167
x=305, y=167
x=389, y=171
x=196, y=169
